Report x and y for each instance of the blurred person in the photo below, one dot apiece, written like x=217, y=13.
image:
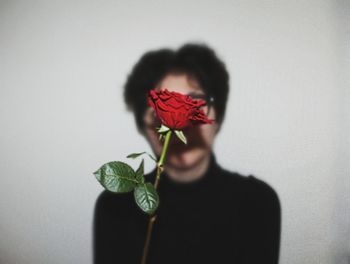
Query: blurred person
x=207, y=214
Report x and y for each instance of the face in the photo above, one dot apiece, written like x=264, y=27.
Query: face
x=200, y=138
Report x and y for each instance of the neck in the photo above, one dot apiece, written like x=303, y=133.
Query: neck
x=189, y=174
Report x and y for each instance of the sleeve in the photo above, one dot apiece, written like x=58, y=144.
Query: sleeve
x=100, y=230
x=108, y=238
x=263, y=224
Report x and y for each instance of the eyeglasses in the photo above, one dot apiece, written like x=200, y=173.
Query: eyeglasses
x=204, y=97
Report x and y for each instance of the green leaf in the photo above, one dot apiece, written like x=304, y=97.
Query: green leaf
x=146, y=197
x=139, y=172
x=117, y=176
x=152, y=157
x=163, y=129
x=135, y=155
x=180, y=134
x=98, y=175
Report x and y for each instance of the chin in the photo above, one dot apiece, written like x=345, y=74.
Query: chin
x=184, y=160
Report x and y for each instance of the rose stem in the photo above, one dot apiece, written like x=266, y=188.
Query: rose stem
x=152, y=219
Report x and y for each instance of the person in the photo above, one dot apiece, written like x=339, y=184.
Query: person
x=207, y=214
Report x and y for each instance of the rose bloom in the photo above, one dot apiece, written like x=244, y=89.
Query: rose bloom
x=176, y=110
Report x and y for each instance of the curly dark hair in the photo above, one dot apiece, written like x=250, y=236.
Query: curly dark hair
x=197, y=61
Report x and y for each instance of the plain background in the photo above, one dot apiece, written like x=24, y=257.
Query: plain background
x=63, y=66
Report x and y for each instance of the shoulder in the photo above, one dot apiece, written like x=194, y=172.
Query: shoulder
x=105, y=197
x=250, y=189
x=107, y=201
x=262, y=201
x=261, y=191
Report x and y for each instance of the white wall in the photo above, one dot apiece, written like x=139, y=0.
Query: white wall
x=63, y=64
x=341, y=213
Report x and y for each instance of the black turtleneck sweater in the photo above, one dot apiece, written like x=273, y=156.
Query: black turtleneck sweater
x=223, y=217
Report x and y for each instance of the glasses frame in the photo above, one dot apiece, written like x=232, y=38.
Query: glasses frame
x=205, y=97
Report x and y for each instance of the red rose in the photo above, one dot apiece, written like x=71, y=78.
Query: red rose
x=176, y=110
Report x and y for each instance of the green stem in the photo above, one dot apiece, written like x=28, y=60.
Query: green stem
x=163, y=155
x=152, y=219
